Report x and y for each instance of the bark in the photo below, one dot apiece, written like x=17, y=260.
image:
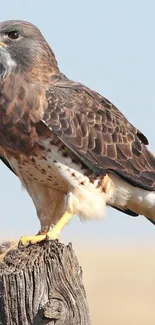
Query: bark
x=42, y=284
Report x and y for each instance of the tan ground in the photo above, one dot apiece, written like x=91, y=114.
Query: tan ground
x=120, y=284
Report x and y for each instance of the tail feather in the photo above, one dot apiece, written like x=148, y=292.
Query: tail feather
x=126, y=211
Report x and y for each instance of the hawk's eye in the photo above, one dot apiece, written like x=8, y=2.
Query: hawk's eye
x=13, y=35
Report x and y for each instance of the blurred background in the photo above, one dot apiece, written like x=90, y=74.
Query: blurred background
x=110, y=47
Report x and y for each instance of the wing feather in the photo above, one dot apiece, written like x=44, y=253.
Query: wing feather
x=6, y=163
x=98, y=133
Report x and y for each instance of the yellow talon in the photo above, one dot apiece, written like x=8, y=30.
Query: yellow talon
x=51, y=235
x=31, y=239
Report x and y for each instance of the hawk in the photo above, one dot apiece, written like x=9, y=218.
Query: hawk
x=72, y=149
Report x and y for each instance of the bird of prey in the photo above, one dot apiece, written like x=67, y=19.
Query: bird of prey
x=72, y=149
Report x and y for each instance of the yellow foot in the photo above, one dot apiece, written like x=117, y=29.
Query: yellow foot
x=50, y=235
x=31, y=239
x=55, y=232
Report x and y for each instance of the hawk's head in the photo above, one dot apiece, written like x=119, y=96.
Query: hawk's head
x=23, y=48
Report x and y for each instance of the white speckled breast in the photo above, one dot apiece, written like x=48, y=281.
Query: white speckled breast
x=50, y=168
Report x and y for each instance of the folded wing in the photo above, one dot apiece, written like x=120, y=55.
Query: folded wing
x=98, y=133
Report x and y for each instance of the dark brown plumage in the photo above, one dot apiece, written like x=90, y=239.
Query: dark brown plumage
x=45, y=115
x=98, y=133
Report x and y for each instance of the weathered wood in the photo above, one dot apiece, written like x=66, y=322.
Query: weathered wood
x=42, y=284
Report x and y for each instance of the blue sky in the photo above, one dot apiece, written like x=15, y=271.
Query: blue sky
x=110, y=47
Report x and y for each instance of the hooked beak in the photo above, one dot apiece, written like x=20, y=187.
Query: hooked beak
x=2, y=44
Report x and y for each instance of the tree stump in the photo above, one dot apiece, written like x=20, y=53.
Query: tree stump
x=42, y=284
